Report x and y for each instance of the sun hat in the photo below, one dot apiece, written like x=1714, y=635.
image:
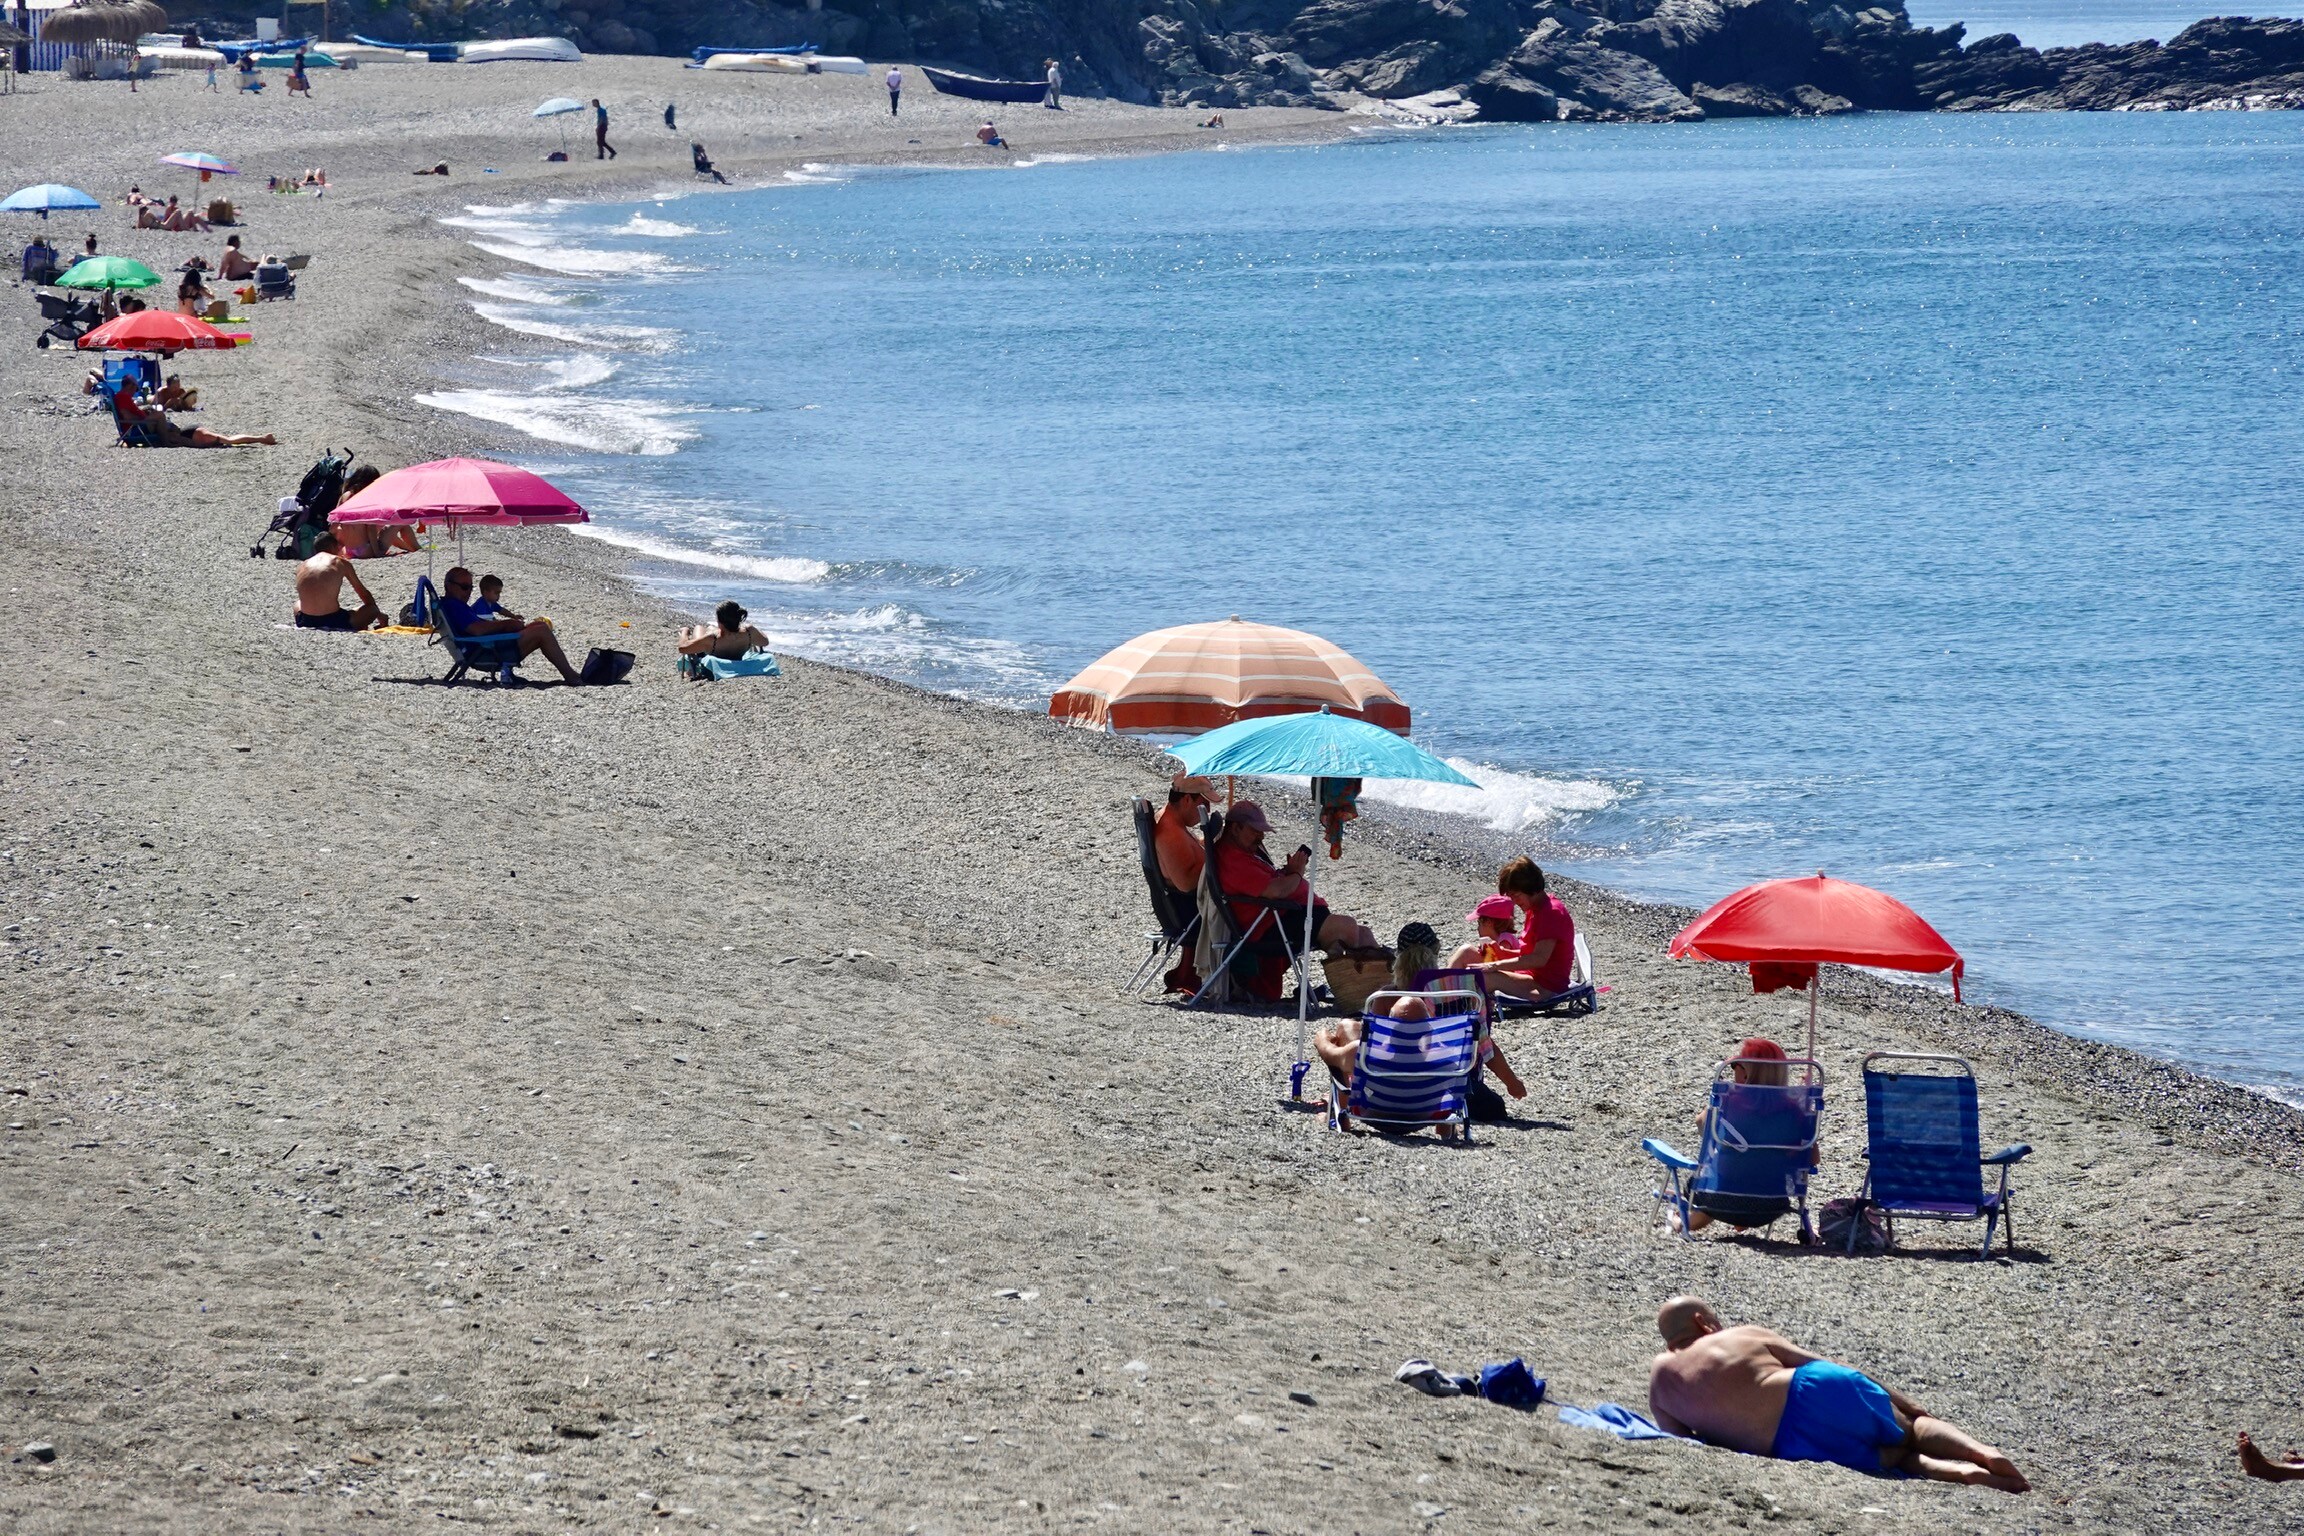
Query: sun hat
x=1499, y=909
x=1249, y=813
x=1193, y=784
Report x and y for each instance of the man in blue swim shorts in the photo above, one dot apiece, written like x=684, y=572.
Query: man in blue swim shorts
x=1755, y=1391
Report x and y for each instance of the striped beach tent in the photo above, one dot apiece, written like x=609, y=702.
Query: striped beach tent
x=1196, y=677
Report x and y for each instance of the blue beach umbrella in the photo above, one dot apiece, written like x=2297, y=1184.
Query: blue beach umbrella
x=47, y=195
x=560, y=107
x=1325, y=746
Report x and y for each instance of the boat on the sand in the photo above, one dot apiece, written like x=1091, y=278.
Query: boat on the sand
x=755, y=63
x=438, y=53
x=539, y=50
x=977, y=88
x=697, y=56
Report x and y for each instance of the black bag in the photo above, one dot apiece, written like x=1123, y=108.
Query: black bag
x=1855, y=1226
x=604, y=666
x=1487, y=1106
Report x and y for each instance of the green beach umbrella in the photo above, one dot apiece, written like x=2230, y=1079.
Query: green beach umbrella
x=108, y=272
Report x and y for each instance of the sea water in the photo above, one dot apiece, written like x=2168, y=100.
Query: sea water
x=2064, y=23
x=1912, y=498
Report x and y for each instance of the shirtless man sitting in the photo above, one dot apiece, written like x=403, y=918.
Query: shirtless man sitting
x=1754, y=1391
x=234, y=266
x=320, y=591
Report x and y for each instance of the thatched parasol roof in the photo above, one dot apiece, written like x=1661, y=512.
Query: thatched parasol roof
x=10, y=37
x=97, y=21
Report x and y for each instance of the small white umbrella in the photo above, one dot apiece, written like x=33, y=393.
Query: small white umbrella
x=560, y=106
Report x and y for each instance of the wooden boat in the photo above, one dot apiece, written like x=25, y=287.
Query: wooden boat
x=438, y=53
x=977, y=88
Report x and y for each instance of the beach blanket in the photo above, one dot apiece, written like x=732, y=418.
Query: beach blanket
x=720, y=668
x=1615, y=1419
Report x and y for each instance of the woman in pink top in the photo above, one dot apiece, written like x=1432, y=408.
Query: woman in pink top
x=1546, y=952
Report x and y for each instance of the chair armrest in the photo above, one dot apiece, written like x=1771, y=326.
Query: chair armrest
x=1663, y=1153
x=2016, y=1152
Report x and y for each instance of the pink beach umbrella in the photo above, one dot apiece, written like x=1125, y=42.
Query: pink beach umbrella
x=457, y=492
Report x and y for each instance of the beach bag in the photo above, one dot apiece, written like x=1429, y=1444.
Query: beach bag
x=1352, y=980
x=605, y=666
x=1487, y=1106
x=1855, y=1226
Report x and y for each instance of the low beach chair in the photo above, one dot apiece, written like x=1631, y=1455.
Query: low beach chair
x=1922, y=1144
x=1178, y=918
x=274, y=281
x=498, y=656
x=133, y=434
x=1415, y=1074
x=1233, y=957
x=1759, y=1147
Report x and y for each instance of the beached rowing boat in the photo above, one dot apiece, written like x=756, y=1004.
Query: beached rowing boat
x=438, y=53
x=837, y=64
x=755, y=63
x=541, y=50
x=977, y=88
x=696, y=58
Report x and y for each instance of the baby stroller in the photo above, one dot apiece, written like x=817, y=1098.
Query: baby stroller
x=68, y=318
x=303, y=517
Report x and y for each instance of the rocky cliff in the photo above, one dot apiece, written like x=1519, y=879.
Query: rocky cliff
x=1520, y=60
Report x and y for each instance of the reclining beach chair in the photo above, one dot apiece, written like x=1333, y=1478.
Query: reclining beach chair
x=1580, y=997
x=1233, y=959
x=496, y=655
x=1759, y=1146
x=1178, y=918
x=1926, y=1159
x=1415, y=1074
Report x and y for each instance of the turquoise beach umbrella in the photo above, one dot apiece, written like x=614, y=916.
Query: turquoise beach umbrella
x=47, y=195
x=1325, y=746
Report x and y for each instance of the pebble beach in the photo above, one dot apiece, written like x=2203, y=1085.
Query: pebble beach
x=565, y=1109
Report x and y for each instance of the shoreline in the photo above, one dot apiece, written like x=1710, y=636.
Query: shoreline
x=536, y=1107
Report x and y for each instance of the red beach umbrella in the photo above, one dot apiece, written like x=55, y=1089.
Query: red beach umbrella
x=460, y=491
x=1783, y=929
x=159, y=330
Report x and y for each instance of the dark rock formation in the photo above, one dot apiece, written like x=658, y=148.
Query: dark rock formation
x=1517, y=60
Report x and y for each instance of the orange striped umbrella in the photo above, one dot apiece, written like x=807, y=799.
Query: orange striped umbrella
x=1196, y=677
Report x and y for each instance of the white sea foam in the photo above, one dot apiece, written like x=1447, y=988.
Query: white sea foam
x=817, y=173
x=515, y=289
x=577, y=421
x=580, y=261
x=1505, y=801
x=1051, y=158
x=897, y=642
x=642, y=338
x=579, y=372
x=791, y=569
x=655, y=229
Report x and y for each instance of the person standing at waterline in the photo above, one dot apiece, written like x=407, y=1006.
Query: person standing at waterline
x=1054, y=100
x=601, y=148
x=895, y=88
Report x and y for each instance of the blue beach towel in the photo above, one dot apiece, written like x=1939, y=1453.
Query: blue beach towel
x=1615, y=1419
x=750, y=664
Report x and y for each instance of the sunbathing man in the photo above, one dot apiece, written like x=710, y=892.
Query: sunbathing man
x=1176, y=845
x=729, y=641
x=235, y=265
x=1251, y=880
x=320, y=591
x=534, y=634
x=1757, y=1392
x=169, y=435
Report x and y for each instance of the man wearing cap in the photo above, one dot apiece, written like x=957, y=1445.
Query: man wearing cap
x=1176, y=844
x=1256, y=885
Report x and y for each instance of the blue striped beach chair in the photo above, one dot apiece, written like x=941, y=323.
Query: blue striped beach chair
x=1415, y=1074
x=1758, y=1149
x=1922, y=1143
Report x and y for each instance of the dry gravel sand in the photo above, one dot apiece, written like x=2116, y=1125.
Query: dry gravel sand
x=549, y=1109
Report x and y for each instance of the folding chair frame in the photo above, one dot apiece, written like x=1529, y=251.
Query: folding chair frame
x=1676, y=1186
x=1995, y=1211
x=1340, y=1094
x=496, y=655
x=1163, y=943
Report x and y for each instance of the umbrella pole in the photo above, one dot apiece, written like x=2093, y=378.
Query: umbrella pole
x=1814, y=987
x=1304, y=982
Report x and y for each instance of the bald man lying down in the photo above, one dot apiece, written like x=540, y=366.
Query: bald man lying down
x=1755, y=1391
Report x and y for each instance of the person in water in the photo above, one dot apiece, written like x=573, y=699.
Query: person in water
x=1757, y=1392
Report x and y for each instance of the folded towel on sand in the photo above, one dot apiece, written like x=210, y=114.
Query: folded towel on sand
x=1615, y=1419
x=750, y=664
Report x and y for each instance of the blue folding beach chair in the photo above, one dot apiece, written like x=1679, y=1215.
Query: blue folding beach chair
x=1415, y=1074
x=496, y=655
x=1759, y=1146
x=133, y=432
x=1926, y=1158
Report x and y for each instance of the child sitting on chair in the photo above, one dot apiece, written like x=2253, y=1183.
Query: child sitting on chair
x=491, y=604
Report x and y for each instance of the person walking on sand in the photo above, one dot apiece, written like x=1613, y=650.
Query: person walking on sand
x=601, y=148
x=1054, y=100
x=895, y=88
x=211, y=75
x=1757, y=1392
x=299, y=83
x=135, y=66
